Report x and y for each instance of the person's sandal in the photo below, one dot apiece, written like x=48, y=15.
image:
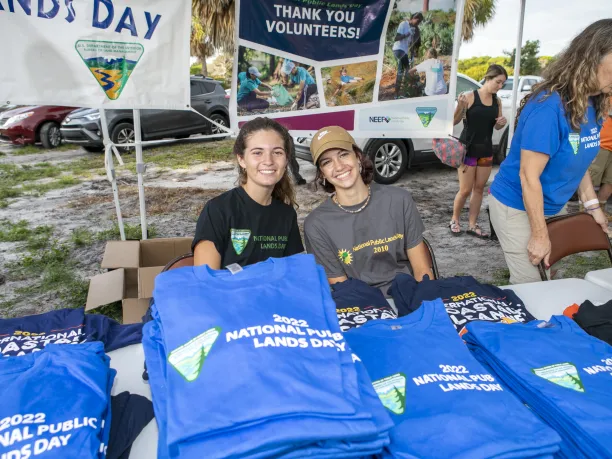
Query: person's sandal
x=455, y=228
x=476, y=231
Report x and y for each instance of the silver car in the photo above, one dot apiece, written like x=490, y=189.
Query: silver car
x=391, y=157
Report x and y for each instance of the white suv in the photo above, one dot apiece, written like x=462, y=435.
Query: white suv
x=391, y=157
x=526, y=82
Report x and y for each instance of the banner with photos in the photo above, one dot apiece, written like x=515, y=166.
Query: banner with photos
x=380, y=68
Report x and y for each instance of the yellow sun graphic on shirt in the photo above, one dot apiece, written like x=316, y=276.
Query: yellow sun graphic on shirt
x=345, y=256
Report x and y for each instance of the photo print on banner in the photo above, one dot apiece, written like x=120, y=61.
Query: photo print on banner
x=349, y=84
x=376, y=67
x=418, y=50
x=270, y=84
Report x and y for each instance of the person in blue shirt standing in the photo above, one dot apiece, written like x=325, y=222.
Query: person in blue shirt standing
x=307, y=85
x=248, y=91
x=556, y=139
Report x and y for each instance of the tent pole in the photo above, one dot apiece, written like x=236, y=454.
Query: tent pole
x=517, y=72
x=140, y=170
x=110, y=170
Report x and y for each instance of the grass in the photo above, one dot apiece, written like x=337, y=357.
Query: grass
x=82, y=237
x=20, y=231
x=36, y=150
x=132, y=232
x=579, y=265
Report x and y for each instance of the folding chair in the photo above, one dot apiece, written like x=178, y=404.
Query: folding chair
x=574, y=233
x=432, y=260
x=179, y=262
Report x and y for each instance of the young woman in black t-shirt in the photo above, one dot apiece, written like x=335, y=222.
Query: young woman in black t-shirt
x=257, y=219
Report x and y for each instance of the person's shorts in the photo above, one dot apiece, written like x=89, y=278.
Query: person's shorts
x=601, y=168
x=478, y=162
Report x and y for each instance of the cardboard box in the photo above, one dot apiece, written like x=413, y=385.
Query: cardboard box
x=133, y=266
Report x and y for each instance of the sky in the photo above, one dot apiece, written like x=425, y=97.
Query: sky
x=553, y=22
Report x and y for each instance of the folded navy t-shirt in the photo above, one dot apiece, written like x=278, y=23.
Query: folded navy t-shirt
x=24, y=335
x=358, y=303
x=464, y=298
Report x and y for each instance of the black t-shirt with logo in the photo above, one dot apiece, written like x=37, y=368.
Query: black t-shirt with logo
x=245, y=232
x=358, y=303
x=464, y=298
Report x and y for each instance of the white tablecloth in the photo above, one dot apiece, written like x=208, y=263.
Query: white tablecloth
x=129, y=363
x=601, y=277
x=542, y=299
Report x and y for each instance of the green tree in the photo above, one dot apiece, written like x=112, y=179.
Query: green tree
x=401, y=400
x=530, y=65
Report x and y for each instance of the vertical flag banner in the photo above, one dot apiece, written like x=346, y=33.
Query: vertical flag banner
x=95, y=53
x=381, y=68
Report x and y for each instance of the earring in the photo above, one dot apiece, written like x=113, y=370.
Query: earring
x=360, y=168
x=323, y=181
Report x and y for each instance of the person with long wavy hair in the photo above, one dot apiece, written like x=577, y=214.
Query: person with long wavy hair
x=556, y=139
x=257, y=219
x=364, y=230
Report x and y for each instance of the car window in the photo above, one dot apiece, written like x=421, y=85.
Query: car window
x=464, y=85
x=209, y=87
x=196, y=89
x=508, y=85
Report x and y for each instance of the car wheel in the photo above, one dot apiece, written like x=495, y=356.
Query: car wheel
x=50, y=135
x=93, y=149
x=123, y=133
x=390, y=158
x=500, y=155
x=220, y=119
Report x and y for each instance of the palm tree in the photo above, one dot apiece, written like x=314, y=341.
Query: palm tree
x=200, y=45
x=476, y=13
x=217, y=18
x=425, y=6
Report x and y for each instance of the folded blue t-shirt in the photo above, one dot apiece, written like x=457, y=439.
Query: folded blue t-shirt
x=23, y=335
x=56, y=403
x=443, y=402
x=564, y=374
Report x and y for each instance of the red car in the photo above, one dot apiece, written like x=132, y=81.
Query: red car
x=31, y=124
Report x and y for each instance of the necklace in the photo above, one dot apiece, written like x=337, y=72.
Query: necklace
x=358, y=210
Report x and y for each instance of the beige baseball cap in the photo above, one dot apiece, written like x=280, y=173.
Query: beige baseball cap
x=328, y=138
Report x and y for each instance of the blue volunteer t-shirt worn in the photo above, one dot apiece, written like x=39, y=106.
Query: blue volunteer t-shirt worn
x=544, y=128
x=443, y=402
x=56, y=403
x=246, y=88
x=24, y=335
x=302, y=75
x=561, y=372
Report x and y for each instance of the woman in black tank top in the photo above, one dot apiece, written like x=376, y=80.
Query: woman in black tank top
x=483, y=113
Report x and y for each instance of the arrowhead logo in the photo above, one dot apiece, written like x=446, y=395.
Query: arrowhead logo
x=574, y=140
x=426, y=114
x=111, y=63
x=240, y=239
x=392, y=392
x=563, y=374
x=189, y=358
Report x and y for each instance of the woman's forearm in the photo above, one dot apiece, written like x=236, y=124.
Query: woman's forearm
x=533, y=198
x=586, y=192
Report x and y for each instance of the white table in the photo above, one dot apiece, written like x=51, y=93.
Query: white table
x=601, y=277
x=542, y=300
x=545, y=299
x=129, y=363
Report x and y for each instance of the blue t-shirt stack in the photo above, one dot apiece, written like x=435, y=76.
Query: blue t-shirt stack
x=443, y=402
x=254, y=364
x=56, y=403
x=563, y=374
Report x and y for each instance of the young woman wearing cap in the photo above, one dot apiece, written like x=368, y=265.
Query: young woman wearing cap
x=364, y=230
x=556, y=139
x=248, y=91
x=256, y=220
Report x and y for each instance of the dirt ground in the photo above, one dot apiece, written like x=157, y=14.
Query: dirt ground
x=175, y=198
